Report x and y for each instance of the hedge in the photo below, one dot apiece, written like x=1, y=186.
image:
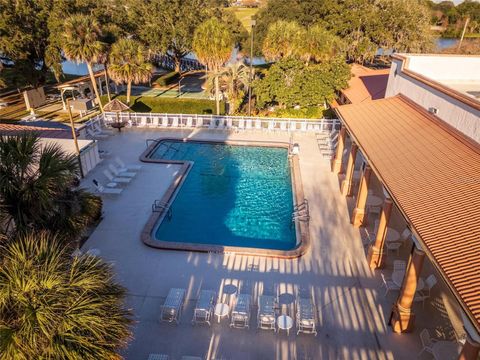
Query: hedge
x=170, y=105
x=168, y=79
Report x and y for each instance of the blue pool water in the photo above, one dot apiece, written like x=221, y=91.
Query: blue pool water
x=232, y=196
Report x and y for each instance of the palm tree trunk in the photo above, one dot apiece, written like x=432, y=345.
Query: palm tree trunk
x=107, y=82
x=129, y=91
x=94, y=84
x=217, y=94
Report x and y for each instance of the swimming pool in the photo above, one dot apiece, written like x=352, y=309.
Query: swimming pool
x=233, y=195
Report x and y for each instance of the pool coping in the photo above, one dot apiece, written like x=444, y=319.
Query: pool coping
x=302, y=228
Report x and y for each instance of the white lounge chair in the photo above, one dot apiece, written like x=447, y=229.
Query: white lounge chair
x=126, y=167
x=204, y=307
x=241, y=312
x=172, y=308
x=111, y=178
x=104, y=190
x=93, y=135
x=305, y=316
x=266, y=318
x=118, y=172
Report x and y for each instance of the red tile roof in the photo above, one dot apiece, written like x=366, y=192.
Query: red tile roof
x=433, y=174
x=366, y=84
x=42, y=131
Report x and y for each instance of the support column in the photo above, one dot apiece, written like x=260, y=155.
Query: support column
x=347, y=182
x=337, y=163
x=376, y=258
x=358, y=216
x=402, y=318
x=470, y=350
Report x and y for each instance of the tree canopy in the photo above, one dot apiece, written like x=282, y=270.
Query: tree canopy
x=290, y=82
x=56, y=307
x=363, y=25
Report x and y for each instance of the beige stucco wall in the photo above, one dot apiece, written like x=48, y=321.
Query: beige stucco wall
x=459, y=115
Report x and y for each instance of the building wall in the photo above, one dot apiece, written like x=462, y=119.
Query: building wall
x=459, y=115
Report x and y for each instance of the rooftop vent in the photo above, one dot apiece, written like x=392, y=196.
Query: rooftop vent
x=433, y=110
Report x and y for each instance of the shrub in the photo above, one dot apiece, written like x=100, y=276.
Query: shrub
x=167, y=79
x=170, y=105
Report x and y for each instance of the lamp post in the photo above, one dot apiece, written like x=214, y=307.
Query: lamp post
x=180, y=86
x=74, y=136
x=252, y=23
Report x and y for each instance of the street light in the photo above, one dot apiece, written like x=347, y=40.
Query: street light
x=252, y=23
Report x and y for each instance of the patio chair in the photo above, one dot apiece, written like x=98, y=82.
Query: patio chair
x=172, y=308
x=389, y=285
x=113, y=179
x=258, y=124
x=427, y=342
x=204, y=308
x=399, y=265
x=305, y=316
x=393, y=246
x=266, y=313
x=406, y=234
x=105, y=190
x=119, y=172
x=241, y=312
x=126, y=167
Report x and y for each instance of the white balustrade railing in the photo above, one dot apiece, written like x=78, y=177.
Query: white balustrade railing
x=220, y=122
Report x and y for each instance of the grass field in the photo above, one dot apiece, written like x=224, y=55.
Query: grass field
x=244, y=15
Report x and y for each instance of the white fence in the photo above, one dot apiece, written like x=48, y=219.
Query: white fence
x=154, y=120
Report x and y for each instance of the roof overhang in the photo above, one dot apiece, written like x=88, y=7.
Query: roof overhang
x=432, y=172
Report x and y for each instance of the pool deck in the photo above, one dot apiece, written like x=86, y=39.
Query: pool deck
x=351, y=307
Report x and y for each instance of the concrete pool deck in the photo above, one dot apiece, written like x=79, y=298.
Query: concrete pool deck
x=352, y=311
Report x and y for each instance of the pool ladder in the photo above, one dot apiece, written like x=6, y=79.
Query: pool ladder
x=159, y=206
x=301, y=211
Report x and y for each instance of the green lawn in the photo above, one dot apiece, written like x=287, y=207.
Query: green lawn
x=244, y=15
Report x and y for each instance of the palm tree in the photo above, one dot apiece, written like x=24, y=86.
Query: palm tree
x=284, y=39
x=56, y=307
x=213, y=45
x=37, y=188
x=81, y=43
x=319, y=45
x=128, y=64
x=234, y=80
